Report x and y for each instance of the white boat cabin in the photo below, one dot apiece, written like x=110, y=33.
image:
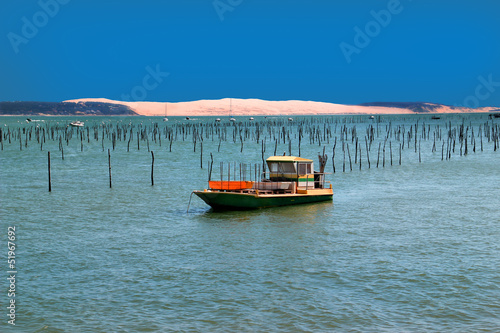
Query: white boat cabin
x=294, y=169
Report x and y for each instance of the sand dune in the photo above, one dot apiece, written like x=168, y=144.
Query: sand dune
x=258, y=107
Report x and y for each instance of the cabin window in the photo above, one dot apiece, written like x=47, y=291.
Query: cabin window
x=277, y=167
x=273, y=167
x=304, y=168
x=287, y=167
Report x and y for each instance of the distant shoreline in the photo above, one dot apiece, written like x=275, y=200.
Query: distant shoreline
x=253, y=115
x=227, y=107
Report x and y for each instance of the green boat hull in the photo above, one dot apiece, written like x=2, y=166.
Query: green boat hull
x=243, y=201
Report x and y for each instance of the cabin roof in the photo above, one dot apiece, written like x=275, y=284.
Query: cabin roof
x=288, y=159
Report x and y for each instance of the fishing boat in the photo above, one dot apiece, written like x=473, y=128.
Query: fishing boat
x=77, y=124
x=29, y=120
x=292, y=180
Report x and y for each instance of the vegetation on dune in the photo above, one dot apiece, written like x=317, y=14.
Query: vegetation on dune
x=418, y=107
x=64, y=108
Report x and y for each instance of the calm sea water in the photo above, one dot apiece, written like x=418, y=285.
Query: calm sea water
x=403, y=248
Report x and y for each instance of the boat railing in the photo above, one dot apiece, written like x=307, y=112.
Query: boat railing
x=251, y=177
x=303, y=181
x=236, y=177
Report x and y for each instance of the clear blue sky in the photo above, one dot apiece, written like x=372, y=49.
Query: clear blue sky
x=417, y=50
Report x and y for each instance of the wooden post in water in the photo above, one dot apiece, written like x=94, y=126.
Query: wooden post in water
x=356, y=152
x=333, y=156
x=416, y=130
x=481, y=137
x=152, y=168
x=419, y=150
x=367, y=153
x=378, y=155
x=383, y=154
x=109, y=168
x=61, y=148
x=201, y=154
x=360, y=157
x=400, y=147
x=343, y=162
x=50, y=180
x=300, y=137
x=323, y=158
x=390, y=150
x=349, y=154
x=466, y=150
x=263, y=150
x=210, y=168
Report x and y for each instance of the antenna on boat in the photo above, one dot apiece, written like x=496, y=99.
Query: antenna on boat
x=231, y=110
x=166, y=109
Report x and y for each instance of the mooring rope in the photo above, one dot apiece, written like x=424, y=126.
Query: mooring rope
x=187, y=211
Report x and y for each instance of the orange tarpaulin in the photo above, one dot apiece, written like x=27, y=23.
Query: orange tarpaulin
x=230, y=185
